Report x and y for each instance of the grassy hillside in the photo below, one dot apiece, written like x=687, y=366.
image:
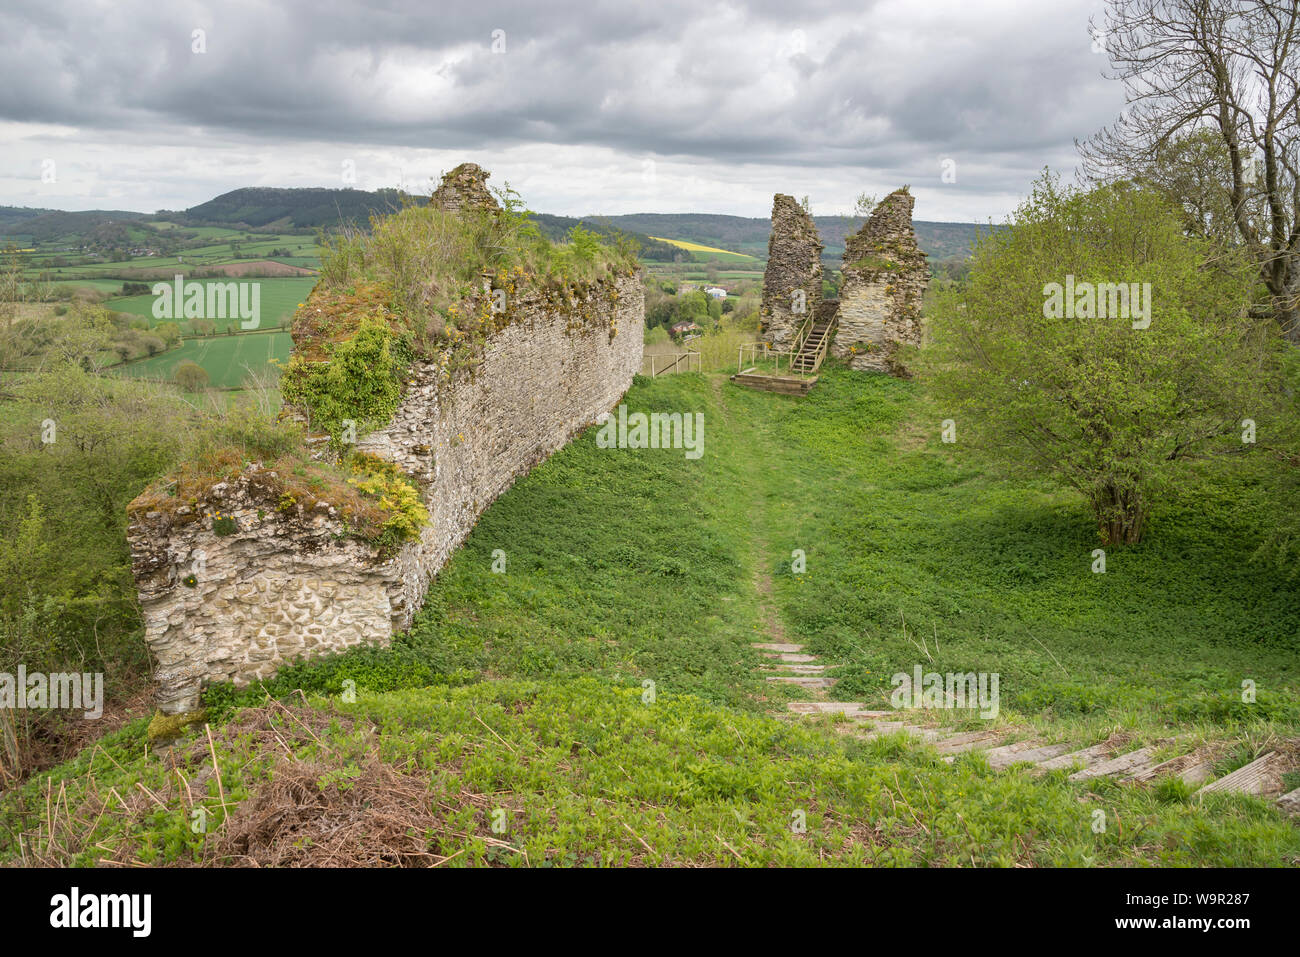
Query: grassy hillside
x=600, y=701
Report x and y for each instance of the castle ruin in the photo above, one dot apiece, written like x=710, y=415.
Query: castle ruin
x=884, y=276
x=792, y=282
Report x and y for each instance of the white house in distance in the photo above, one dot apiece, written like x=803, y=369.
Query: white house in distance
x=716, y=292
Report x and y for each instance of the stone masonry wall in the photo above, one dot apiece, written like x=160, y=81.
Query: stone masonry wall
x=288, y=586
x=793, y=263
x=884, y=279
x=465, y=187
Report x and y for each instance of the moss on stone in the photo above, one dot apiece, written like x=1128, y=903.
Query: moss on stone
x=168, y=727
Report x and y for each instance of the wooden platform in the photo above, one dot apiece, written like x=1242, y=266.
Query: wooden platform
x=787, y=385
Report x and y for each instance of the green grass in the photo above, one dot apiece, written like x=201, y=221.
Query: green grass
x=630, y=571
x=997, y=576
x=586, y=773
x=227, y=359
x=279, y=300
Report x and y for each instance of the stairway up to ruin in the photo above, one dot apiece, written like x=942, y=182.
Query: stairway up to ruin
x=802, y=360
x=808, y=359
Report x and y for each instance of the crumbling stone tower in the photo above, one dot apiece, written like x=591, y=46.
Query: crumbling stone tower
x=465, y=187
x=792, y=283
x=884, y=278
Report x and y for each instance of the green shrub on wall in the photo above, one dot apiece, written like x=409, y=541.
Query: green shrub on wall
x=394, y=494
x=361, y=380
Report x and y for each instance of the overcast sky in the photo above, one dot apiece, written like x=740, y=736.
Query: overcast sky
x=595, y=107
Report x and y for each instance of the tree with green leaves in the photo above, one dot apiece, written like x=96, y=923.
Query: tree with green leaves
x=1039, y=359
x=191, y=376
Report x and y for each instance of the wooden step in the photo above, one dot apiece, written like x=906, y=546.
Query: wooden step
x=1087, y=757
x=1141, y=758
x=803, y=681
x=955, y=744
x=1023, y=751
x=1198, y=773
x=1289, y=803
x=780, y=384
x=1178, y=765
x=1261, y=776
x=881, y=728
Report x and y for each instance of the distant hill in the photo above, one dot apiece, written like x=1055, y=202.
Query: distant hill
x=44, y=225
x=277, y=209
x=306, y=208
x=745, y=234
x=556, y=228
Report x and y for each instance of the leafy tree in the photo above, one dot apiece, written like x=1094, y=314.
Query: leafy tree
x=169, y=332
x=1111, y=410
x=191, y=376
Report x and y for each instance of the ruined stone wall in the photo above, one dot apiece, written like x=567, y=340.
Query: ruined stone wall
x=284, y=586
x=465, y=187
x=884, y=279
x=794, y=264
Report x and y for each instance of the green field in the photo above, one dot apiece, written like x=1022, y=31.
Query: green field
x=219, y=250
x=279, y=299
x=227, y=359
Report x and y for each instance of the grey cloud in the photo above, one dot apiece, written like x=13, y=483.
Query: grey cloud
x=734, y=83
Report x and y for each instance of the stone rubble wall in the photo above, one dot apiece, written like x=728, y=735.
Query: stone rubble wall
x=884, y=279
x=793, y=263
x=465, y=187
x=285, y=586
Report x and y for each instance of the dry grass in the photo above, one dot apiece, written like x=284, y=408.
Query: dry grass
x=292, y=483
x=319, y=811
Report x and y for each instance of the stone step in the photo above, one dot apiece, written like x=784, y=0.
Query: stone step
x=1134, y=760
x=802, y=681
x=1021, y=751
x=853, y=709
x=1087, y=757
x=790, y=656
x=1261, y=776
x=797, y=669
x=955, y=744
x=776, y=646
